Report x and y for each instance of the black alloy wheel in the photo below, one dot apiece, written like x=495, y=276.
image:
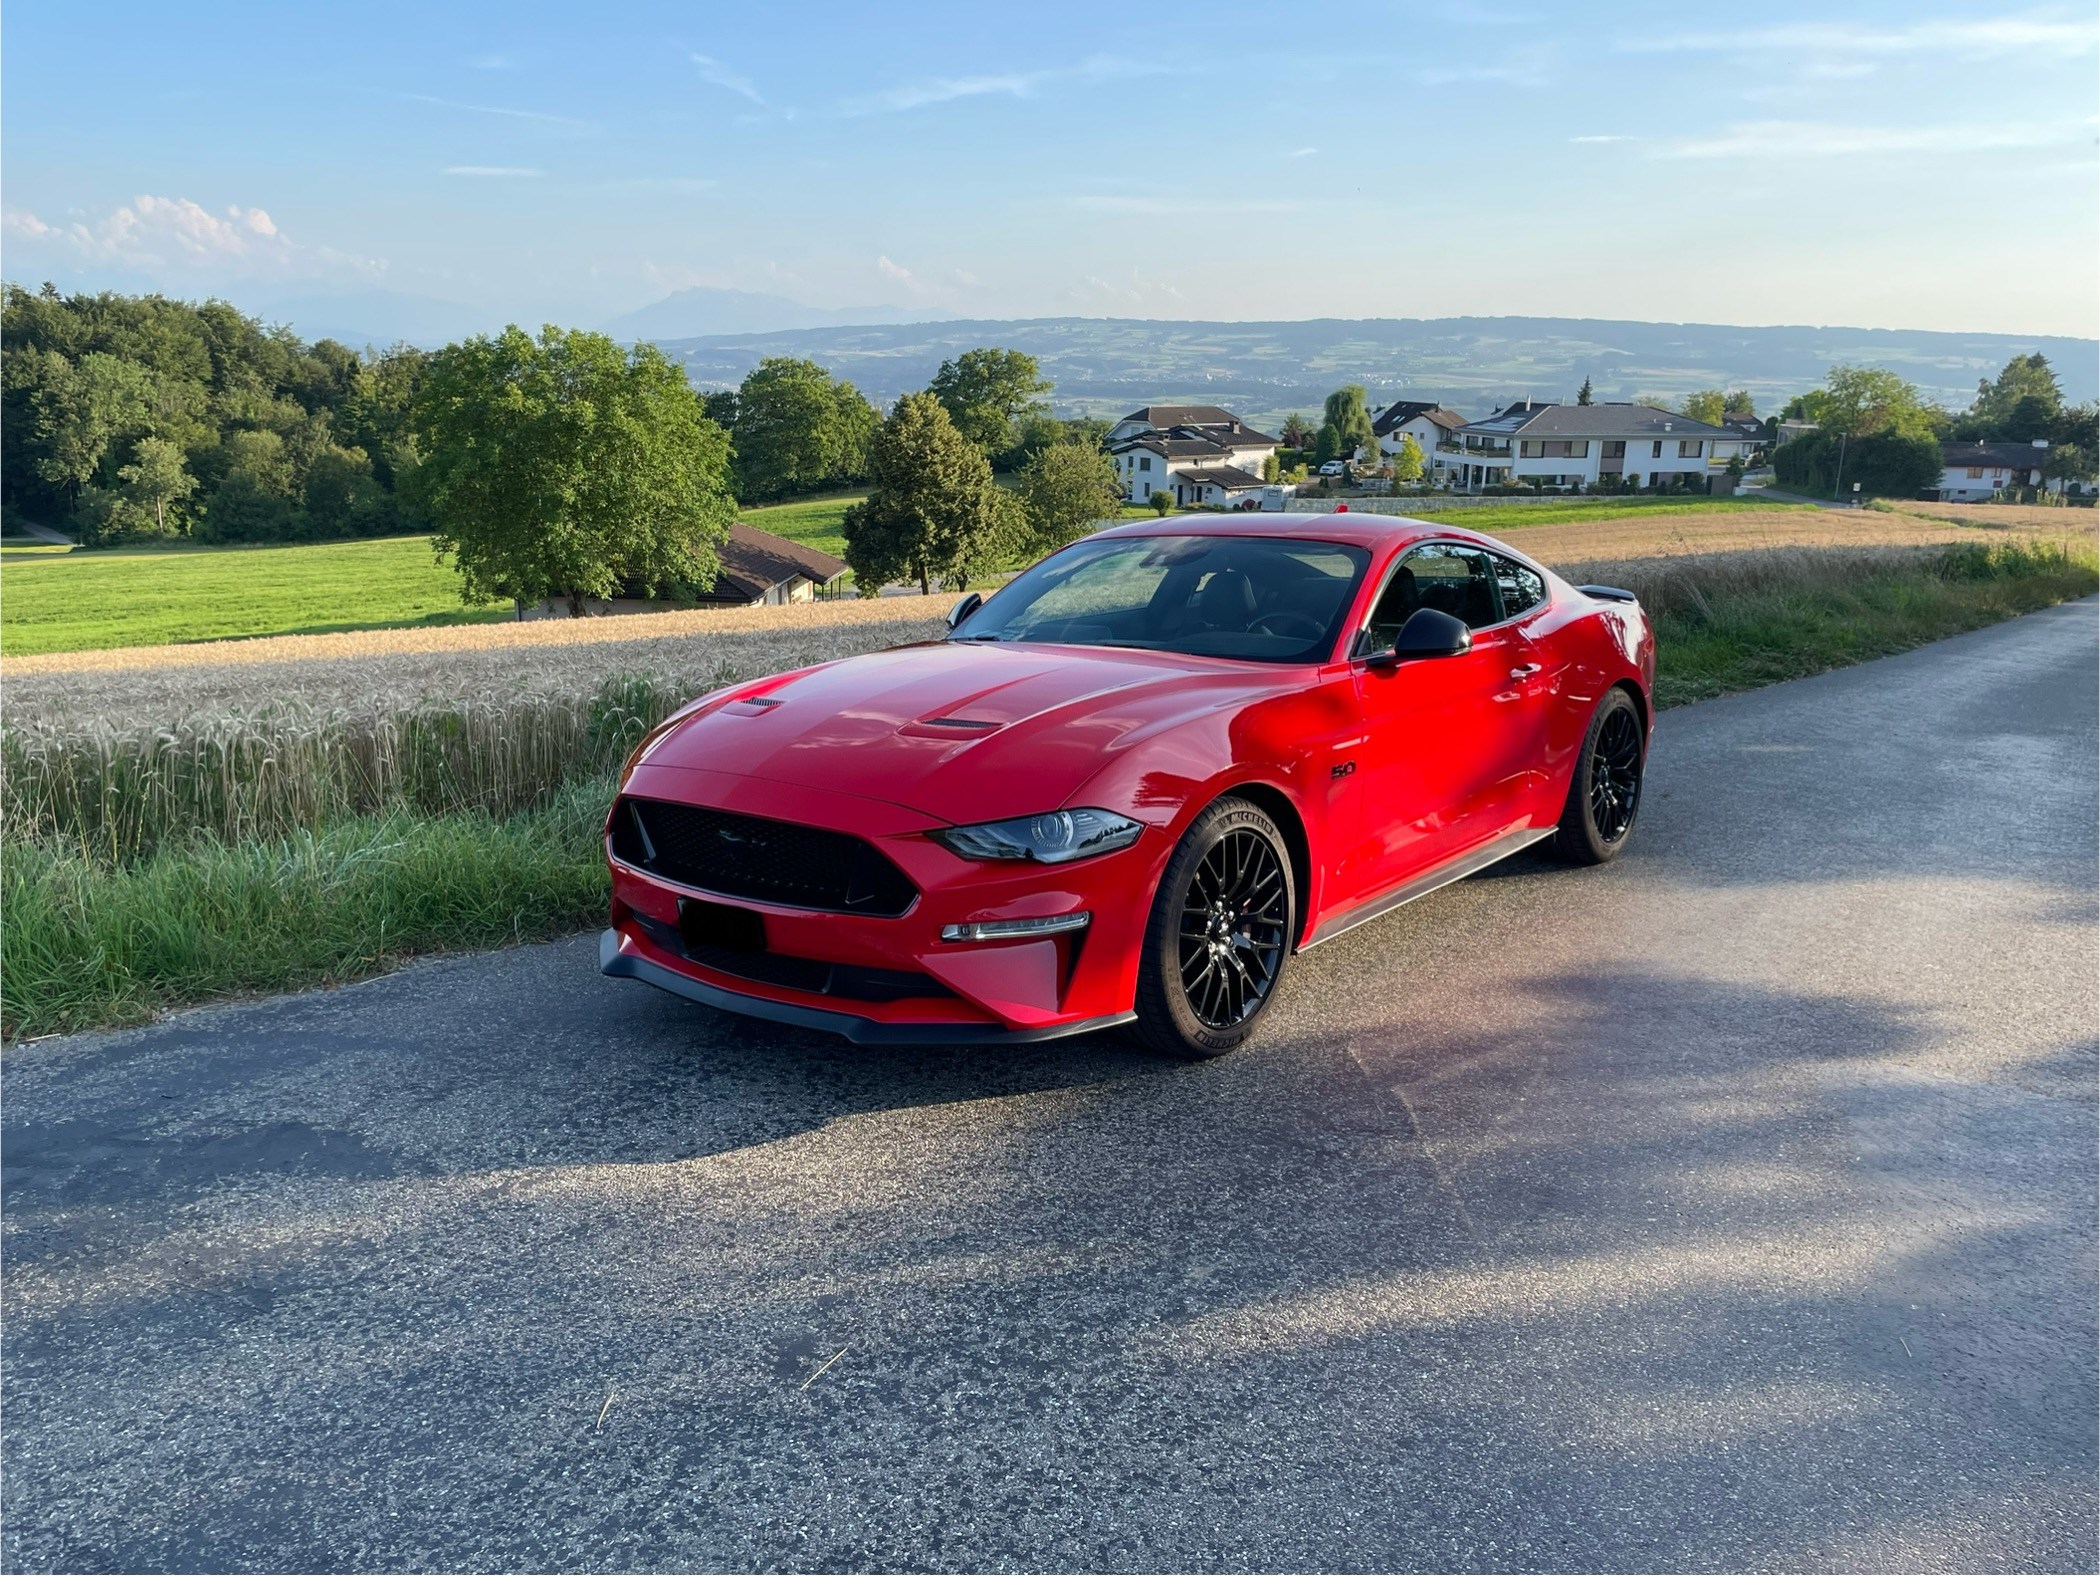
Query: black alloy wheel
x=1605, y=793
x=1220, y=933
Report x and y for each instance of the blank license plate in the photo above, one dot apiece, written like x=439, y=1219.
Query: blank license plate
x=719, y=925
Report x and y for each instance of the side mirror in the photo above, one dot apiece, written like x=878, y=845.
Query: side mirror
x=963, y=609
x=1427, y=633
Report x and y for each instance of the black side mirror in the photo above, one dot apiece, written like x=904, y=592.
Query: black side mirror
x=963, y=609
x=1427, y=633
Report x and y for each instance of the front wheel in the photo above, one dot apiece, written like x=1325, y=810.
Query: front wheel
x=1605, y=792
x=1219, y=935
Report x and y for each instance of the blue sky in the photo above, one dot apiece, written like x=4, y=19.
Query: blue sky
x=1888, y=165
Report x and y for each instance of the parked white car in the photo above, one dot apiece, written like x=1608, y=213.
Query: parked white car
x=1334, y=468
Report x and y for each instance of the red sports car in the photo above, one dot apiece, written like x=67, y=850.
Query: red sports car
x=1131, y=784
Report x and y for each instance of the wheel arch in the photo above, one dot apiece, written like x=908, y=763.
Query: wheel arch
x=1277, y=805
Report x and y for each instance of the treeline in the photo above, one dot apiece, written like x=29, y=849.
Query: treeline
x=134, y=417
x=1875, y=429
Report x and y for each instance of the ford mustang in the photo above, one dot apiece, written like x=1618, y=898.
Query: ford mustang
x=1132, y=784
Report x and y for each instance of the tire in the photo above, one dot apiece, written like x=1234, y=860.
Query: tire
x=1219, y=934
x=1604, y=796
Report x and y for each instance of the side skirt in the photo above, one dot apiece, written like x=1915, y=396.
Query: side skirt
x=1493, y=851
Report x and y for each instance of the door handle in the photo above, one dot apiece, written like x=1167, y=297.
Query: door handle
x=1525, y=670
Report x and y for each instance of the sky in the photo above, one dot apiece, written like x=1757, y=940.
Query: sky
x=1902, y=165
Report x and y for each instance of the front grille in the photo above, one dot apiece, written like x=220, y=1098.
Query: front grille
x=766, y=861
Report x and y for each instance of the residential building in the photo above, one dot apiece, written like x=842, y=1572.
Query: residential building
x=1563, y=447
x=1198, y=453
x=758, y=569
x=1972, y=472
x=1428, y=423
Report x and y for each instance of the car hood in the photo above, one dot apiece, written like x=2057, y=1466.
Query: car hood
x=958, y=730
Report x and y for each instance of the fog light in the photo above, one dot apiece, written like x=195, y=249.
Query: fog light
x=1009, y=929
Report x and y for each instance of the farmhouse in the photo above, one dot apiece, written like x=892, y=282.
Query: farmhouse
x=1566, y=446
x=1427, y=422
x=1199, y=453
x=758, y=569
x=1973, y=471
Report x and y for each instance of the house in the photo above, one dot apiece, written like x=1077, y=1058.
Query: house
x=1428, y=423
x=758, y=569
x=1199, y=453
x=1562, y=447
x=1974, y=471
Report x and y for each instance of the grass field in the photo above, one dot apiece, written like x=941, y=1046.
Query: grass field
x=61, y=599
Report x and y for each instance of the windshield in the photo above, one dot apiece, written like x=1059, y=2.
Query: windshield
x=1257, y=598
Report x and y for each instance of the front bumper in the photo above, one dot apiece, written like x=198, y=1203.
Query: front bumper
x=625, y=963
x=987, y=991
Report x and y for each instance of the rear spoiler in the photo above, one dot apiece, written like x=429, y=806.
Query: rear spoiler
x=1608, y=594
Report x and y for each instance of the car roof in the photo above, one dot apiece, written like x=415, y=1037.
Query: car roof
x=1356, y=529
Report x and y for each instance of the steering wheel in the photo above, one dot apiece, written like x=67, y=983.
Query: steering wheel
x=1304, y=624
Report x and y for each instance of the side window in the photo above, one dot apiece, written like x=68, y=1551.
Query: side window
x=1521, y=589
x=1442, y=575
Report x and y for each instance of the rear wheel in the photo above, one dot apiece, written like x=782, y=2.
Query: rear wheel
x=1219, y=934
x=1605, y=793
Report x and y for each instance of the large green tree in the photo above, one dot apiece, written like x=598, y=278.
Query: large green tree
x=986, y=392
x=1350, y=416
x=1067, y=490
x=1858, y=401
x=933, y=512
x=2025, y=393
x=1410, y=462
x=565, y=466
x=798, y=430
x=1707, y=405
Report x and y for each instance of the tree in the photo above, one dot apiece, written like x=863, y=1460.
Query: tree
x=84, y=412
x=1858, y=401
x=1350, y=418
x=2024, y=379
x=1409, y=463
x=1066, y=491
x=1272, y=467
x=244, y=509
x=986, y=391
x=564, y=466
x=156, y=478
x=720, y=406
x=2068, y=462
x=798, y=430
x=1583, y=396
x=932, y=506
x=1162, y=502
x=1328, y=445
x=1707, y=405
x=1297, y=431
x=1739, y=403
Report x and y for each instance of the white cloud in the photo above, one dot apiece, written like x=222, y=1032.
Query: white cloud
x=1010, y=84
x=569, y=122
x=893, y=271
x=1527, y=68
x=1601, y=138
x=176, y=233
x=496, y=171
x=1995, y=35
x=713, y=71
x=1302, y=153
x=492, y=63
x=1781, y=139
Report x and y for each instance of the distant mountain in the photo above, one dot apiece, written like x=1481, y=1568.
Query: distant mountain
x=1104, y=366
x=707, y=313
x=378, y=317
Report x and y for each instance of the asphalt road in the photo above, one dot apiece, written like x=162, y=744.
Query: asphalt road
x=1733, y=1206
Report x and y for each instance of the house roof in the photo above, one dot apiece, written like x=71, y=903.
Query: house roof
x=1401, y=412
x=754, y=561
x=1189, y=442
x=1211, y=420
x=1230, y=477
x=1536, y=419
x=2012, y=456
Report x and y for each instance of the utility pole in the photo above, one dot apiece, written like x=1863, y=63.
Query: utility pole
x=1837, y=487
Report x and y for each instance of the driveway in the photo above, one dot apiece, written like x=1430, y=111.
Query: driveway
x=1732, y=1206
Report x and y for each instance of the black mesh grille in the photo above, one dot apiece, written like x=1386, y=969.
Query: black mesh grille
x=768, y=861
x=854, y=981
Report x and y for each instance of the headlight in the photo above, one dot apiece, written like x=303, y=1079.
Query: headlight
x=1051, y=838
